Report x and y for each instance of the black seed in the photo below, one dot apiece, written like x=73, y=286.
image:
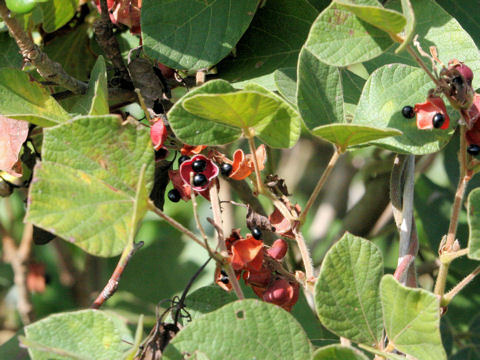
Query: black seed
x=174, y=195
x=199, y=165
x=226, y=169
x=182, y=159
x=473, y=149
x=199, y=180
x=224, y=277
x=256, y=233
x=408, y=112
x=438, y=120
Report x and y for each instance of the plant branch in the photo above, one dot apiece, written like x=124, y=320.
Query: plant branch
x=196, y=217
x=18, y=258
x=307, y=261
x=175, y=224
x=321, y=182
x=47, y=68
x=451, y=294
x=420, y=62
x=112, y=284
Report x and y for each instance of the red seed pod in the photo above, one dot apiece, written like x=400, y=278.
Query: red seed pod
x=158, y=134
x=431, y=109
x=278, y=249
x=466, y=72
x=258, y=278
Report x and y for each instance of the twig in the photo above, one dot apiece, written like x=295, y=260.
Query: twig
x=103, y=29
x=451, y=294
x=321, y=182
x=195, y=215
x=307, y=261
x=217, y=217
x=112, y=284
x=175, y=224
x=251, y=144
x=48, y=69
x=18, y=258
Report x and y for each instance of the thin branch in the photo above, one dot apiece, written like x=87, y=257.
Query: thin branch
x=175, y=224
x=321, y=182
x=251, y=144
x=451, y=294
x=112, y=284
x=307, y=261
x=18, y=258
x=47, y=68
x=195, y=215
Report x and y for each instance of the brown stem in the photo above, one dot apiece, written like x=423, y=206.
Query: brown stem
x=18, y=258
x=321, y=182
x=48, y=69
x=112, y=284
x=103, y=29
x=195, y=215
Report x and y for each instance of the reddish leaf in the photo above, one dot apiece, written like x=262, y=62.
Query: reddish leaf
x=13, y=134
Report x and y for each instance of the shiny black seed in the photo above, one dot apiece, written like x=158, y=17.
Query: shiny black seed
x=225, y=169
x=182, y=159
x=224, y=277
x=199, y=165
x=408, y=112
x=199, y=180
x=174, y=195
x=256, y=233
x=438, y=120
x=473, y=149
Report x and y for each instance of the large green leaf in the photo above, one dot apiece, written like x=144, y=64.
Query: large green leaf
x=286, y=83
x=85, y=334
x=207, y=299
x=57, y=13
x=338, y=352
x=95, y=101
x=190, y=34
x=435, y=27
x=72, y=51
x=409, y=14
x=387, y=20
x=386, y=92
x=474, y=224
x=9, y=56
x=273, y=41
x=24, y=99
x=319, y=91
x=274, y=121
x=346, y=135
x=347, y=290
x=195, y=130
x=412, y=319
x=85, y=188
x=247, y=329
x=339, y=38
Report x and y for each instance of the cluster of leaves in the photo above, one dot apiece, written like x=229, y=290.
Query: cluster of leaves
x=339, y=69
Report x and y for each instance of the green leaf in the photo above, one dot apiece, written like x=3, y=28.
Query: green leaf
x=338, y=352
x=474, y=224
x=412, y=319
x=272, y=41
x=102, y=336
x=190, y=34
x=72, y=51
x=24, y=99
x=207, y=299
x=274, y=121
x=346, y=293
x=286, y=83
x=9, y=56
x=387, y=20
x=283, y=131
x=352, y=85
x=92, y=203
x=319, y=91
x=57, y=13
x=194, y=130
x=409, y=14
x=345, y=135
x=339, y=38
x=386, y=355
x=247, y=329
x=438, y=28
x=386, y=92
x=95, y=101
